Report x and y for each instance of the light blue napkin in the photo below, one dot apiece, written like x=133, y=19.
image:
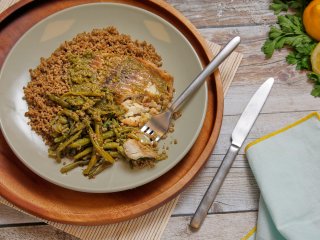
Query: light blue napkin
x=286, y=166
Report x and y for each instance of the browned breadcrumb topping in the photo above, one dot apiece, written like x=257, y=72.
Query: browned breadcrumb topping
x=51, y=76
x=144, y=163
x=176, y=115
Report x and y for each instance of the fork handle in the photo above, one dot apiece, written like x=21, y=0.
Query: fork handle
x=199, y=80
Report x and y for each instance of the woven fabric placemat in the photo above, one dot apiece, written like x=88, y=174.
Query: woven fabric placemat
x=4, y=4
x=150, y=225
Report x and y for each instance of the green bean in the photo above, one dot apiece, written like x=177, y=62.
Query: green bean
x=97, y=127
x=71, y=114
x=79, y=126
x=124, y=129
x=88, y=94
x=63, y=120
x=58, y=100
x=121, y=150
x=98, y=169
x=75, y=101
x=110, y=145
x=106, y=156
x=80, y=143
x=60, y=139
x=73, y=165
x=60, y=128
x=91, y=163
x=96, y=114
x=108, y=134
x=116, y=132
x=83, y=153
x=65, y=144
x=52, y=153
x=133, y=136
x=114, y=154
x=88, y=104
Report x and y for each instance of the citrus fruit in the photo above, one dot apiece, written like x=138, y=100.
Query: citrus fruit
x=311, y=19
x=315, y=59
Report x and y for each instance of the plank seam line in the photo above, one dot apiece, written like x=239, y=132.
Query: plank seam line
x=239, y=25
x=11, y=225
x=268, y=113
x=220, y=213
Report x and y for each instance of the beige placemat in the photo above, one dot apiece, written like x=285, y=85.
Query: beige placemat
x=4, y=4
x=151, y=225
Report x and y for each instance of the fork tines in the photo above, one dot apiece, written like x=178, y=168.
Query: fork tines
x=147, y=130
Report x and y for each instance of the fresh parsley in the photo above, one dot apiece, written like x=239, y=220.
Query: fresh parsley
x=290, y=33
x=298, y=5
x=316, y=80
x=301, y=56
x=278, y=6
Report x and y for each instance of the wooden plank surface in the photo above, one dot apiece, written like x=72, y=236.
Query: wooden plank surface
x=289, y=100
x=217, y=226
x=32, y=232
x=234, y=211
x=221, y=14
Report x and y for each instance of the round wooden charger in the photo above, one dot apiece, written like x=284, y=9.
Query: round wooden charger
x=43, y=199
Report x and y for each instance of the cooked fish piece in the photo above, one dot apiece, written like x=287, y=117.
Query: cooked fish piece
x=136, y=150
x=139, y=86
x=133, y=108
x=136, y=113
x=135, y=78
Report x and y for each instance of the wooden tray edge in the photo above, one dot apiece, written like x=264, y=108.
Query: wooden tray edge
x=10, y=10
x=172, y=192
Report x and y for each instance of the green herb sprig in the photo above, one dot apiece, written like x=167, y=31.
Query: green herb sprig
x=290, y=33
x=298, y=5
x=315, y=78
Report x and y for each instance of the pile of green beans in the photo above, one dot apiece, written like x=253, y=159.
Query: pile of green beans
x=88, y=129
x=92, y=139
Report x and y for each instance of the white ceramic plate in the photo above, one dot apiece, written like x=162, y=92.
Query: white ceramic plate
x=179, y=59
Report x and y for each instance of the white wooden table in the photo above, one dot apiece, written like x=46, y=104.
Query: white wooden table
x=234, y=212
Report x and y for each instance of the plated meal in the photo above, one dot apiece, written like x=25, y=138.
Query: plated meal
x=78, y=87
x=32, y=180
x=89, y=99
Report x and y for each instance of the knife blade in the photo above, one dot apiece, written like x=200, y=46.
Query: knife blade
x=238, y=136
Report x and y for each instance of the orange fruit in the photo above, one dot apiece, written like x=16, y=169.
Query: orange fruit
x=311, y=19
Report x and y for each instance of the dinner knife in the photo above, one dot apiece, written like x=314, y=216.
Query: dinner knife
x=238, y=136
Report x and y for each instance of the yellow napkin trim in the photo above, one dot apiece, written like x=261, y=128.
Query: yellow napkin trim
x=249, y=234
x=313, y=114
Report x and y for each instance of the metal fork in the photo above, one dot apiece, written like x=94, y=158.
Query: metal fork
x=159, y=124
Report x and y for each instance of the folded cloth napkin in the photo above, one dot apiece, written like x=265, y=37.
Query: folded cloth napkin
x=286, y=166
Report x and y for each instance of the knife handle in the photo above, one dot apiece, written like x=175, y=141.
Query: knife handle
x=214, y=187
